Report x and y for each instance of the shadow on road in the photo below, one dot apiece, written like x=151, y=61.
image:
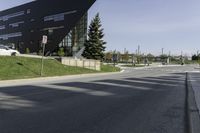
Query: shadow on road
x=14, y=98
x=98, y=106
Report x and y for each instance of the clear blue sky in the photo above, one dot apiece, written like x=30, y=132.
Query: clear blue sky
x=154, y=24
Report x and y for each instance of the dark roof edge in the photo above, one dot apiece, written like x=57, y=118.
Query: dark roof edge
x=22, y=5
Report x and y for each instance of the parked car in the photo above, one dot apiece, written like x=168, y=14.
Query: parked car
x=6, y=51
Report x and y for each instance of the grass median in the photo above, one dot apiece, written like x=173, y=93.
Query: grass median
x=109, y=68
x=136, y=65
x=23, y=67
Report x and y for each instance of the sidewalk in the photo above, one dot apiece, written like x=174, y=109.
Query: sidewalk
x=193, y=102
x=195, y=82
x=156, y=65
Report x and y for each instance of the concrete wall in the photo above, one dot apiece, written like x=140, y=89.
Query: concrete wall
x=85, y=63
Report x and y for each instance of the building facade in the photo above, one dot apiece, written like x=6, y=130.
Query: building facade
x=63, y=21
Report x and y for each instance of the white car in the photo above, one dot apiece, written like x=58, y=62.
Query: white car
x=6, y=51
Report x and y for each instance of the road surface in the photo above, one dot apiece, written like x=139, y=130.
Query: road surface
x=137, y=101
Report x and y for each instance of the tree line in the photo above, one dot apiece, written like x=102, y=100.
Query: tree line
x=95, y=49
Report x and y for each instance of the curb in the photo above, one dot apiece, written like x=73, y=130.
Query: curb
x=192, y=112
x=17, y=82
x=149, y=67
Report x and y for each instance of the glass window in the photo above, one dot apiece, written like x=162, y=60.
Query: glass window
x=2, y=47
x=28, y=11
x=2, y=27
x=48, y=18
x=16, y=24
x=53, y=28
x=58, y=17
x=6, y=17
x=32, y=20
x=11, y=35
x=50, y=31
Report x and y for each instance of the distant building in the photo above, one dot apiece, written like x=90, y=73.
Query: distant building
x=63, y=21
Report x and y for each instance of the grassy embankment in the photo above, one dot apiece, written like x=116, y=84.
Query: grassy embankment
x=109, y=68
x=21, y=67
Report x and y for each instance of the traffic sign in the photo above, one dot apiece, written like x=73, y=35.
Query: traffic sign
x=44, y=42
x=44, y=39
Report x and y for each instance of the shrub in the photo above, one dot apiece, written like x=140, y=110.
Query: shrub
x=61, y=52
x=40, y=52
x=27, y=51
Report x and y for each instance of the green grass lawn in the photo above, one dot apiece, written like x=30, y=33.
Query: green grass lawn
x=109, y=68
x=21, y=67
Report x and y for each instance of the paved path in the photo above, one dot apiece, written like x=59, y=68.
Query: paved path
x=195, y=82
x=136, y=101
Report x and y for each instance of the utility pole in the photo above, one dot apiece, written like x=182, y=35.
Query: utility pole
x=169, y=57
x=133, y=62
x=198, y=57
x=115, y=57
x=181, y=57
x=162, y=51
x=138, y=54
x=138, y=49
x=124, y=50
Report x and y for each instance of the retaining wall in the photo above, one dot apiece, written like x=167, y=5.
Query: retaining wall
x=85, y=63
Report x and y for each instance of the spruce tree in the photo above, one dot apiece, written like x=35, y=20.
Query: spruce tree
x=95, y=45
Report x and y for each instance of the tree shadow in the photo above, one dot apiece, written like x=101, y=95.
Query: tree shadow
x=82, y=104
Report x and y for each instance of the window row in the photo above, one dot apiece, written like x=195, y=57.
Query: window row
x=9, y=16
x=55, y=17
x=2, y=27
x=11, y=35
x=16, y=24
x=58, y=17
x=13, y=25
x=53, y=28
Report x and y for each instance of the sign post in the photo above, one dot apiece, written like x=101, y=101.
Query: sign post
x=44, y=42
x=115, y=57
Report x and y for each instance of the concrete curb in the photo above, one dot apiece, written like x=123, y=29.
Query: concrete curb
x=192, y=111
x=149, y=67
x=18, y=82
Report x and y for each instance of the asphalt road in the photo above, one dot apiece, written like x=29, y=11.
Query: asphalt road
x=136, y=101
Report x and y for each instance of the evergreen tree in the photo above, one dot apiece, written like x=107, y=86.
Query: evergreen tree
x=95, y=45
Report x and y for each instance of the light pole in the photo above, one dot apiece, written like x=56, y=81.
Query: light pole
x=169, y=57
x=198, y=59
x=181, y=57
x=162, y=56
